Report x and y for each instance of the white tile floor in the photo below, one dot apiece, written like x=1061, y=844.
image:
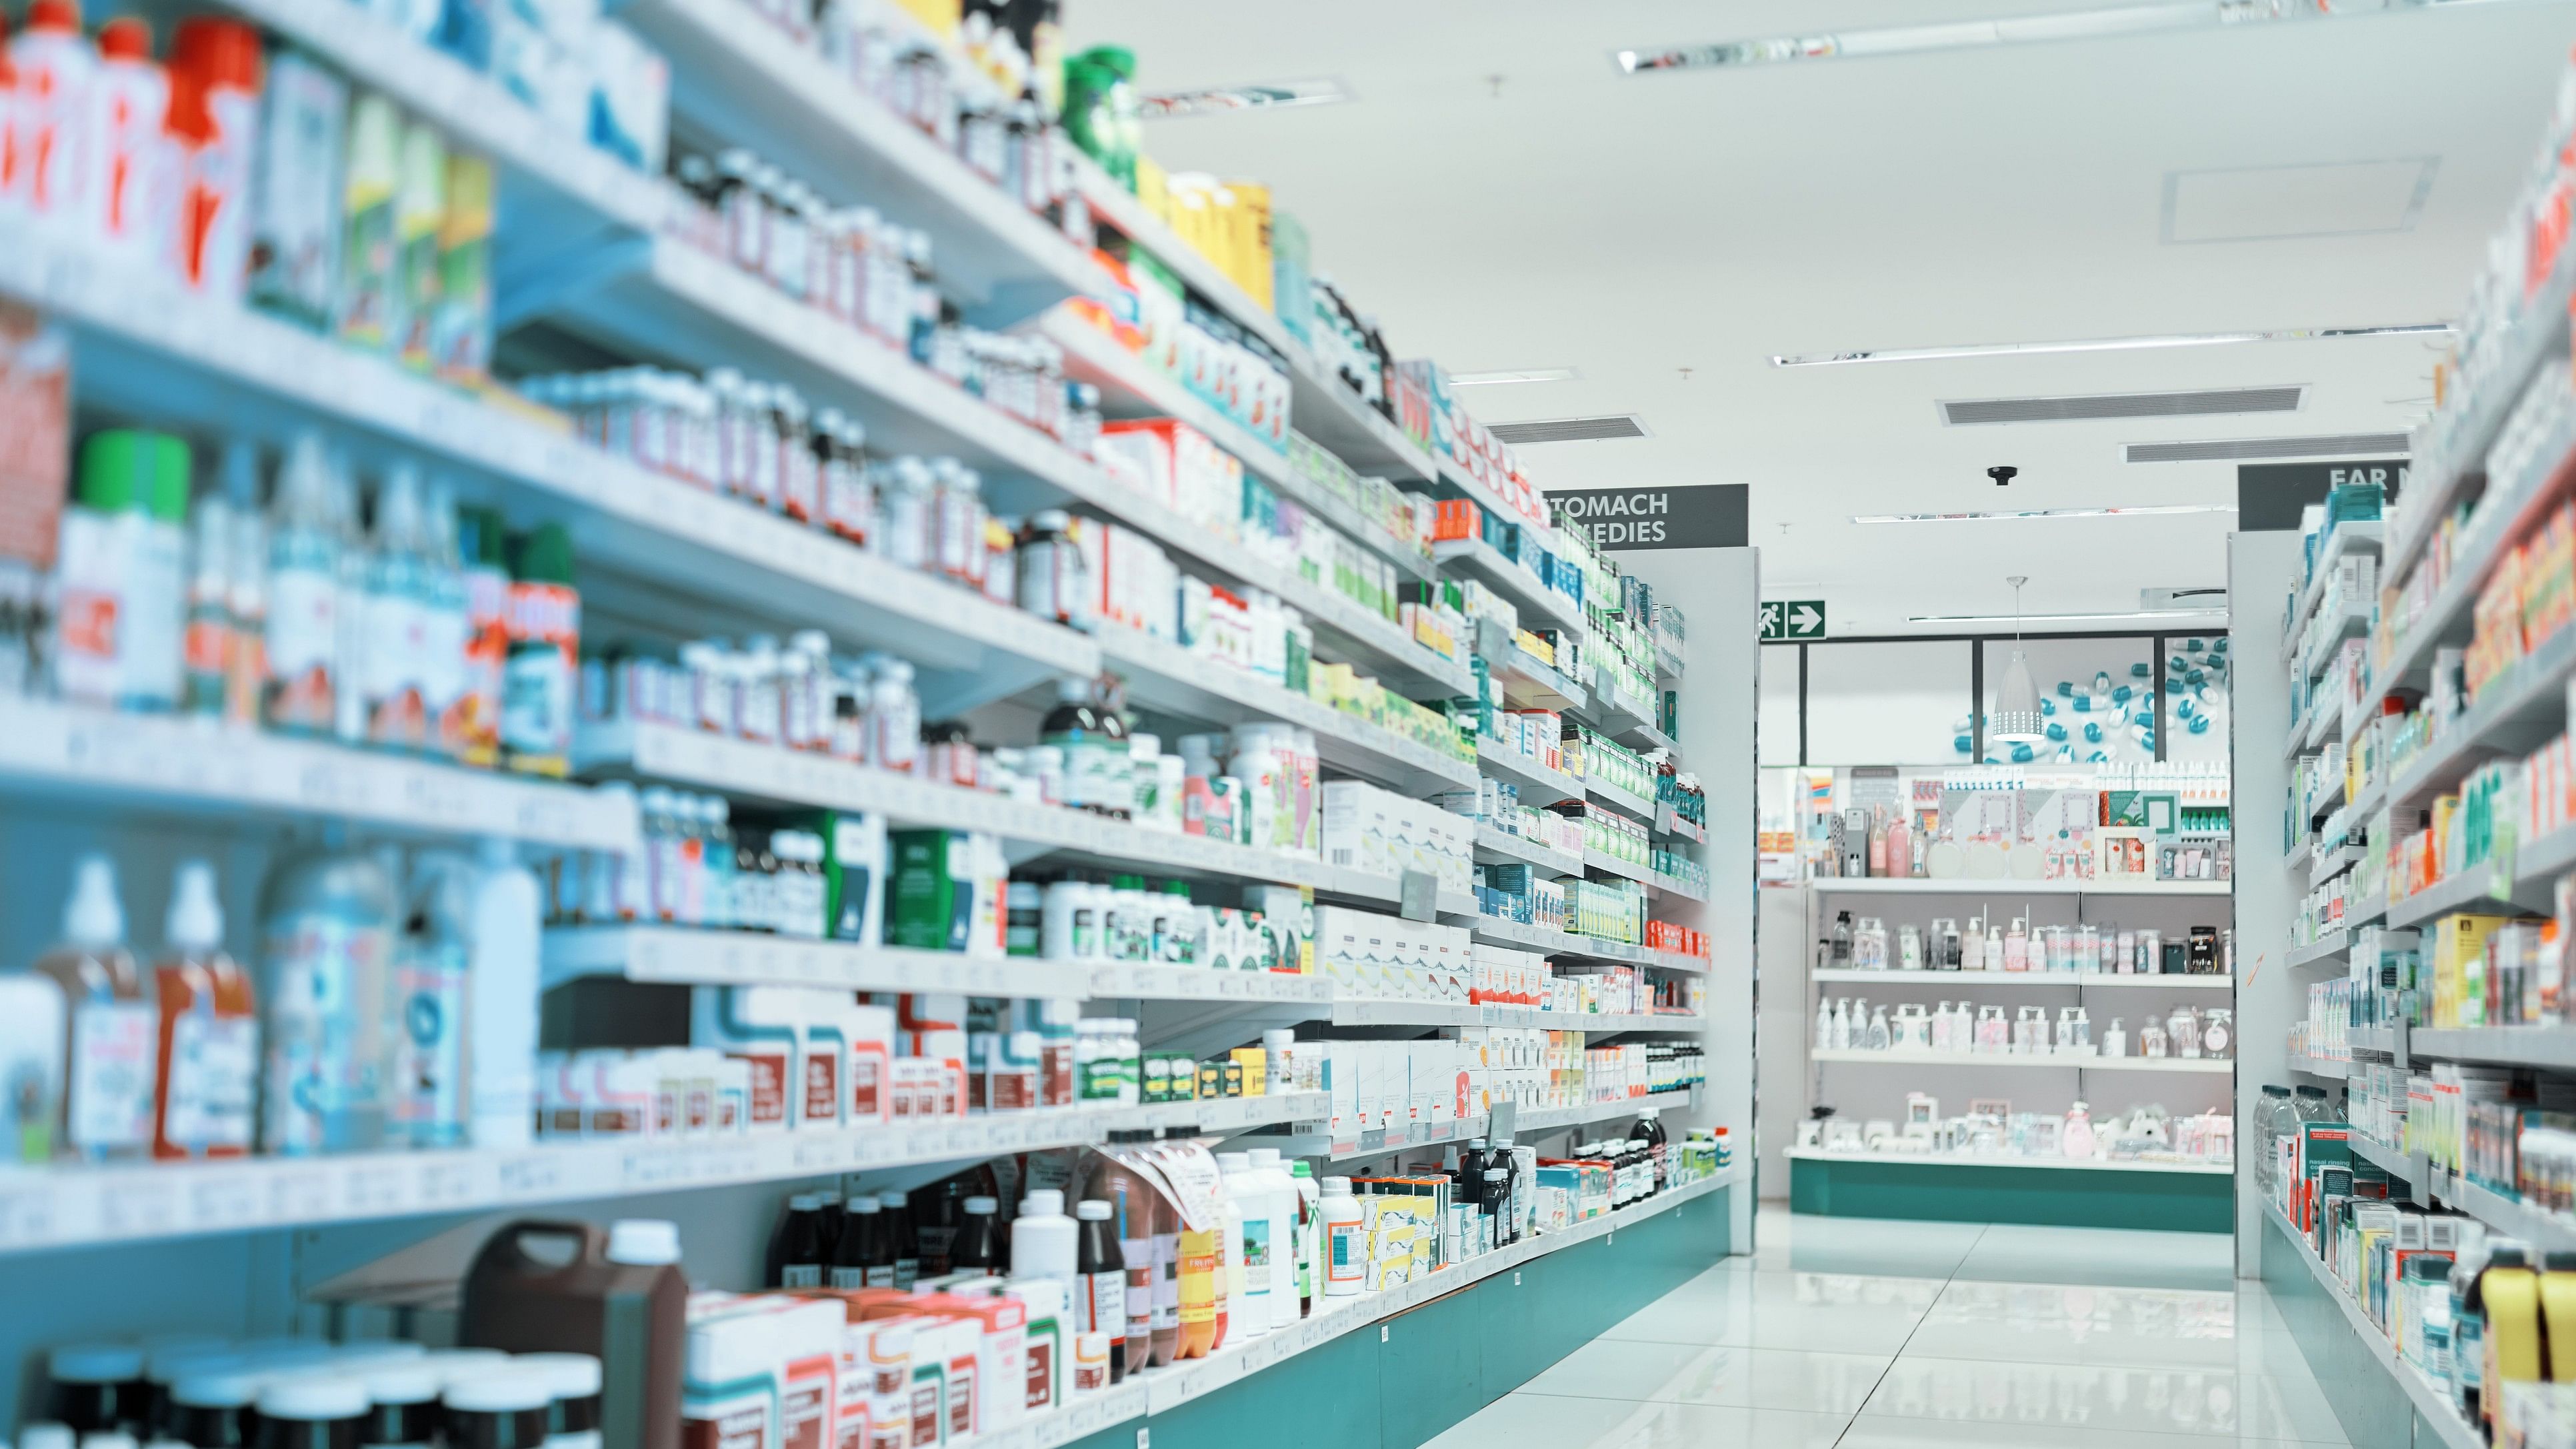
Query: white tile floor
x=1843, y=1333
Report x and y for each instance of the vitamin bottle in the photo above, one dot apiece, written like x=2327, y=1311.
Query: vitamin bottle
x=1101, y=1302
x=1202, y=1270
x=1345, y=1239
x=327, y=922
x=396, y=621
x=108, y=1053
x=209, y=1030
x=543, y=668
x=302, y=653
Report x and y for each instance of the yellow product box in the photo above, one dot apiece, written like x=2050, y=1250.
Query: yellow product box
x=2459, y=970
x=944, y=18
x=1256, y=1069
x=1247, y=211
x=1391, y=1230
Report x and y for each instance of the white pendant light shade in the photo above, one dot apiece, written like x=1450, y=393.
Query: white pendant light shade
x=2016, y=720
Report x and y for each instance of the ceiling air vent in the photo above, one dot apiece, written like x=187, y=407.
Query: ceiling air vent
x=1571, y=430
x=2332, y=445
x=2203, y=403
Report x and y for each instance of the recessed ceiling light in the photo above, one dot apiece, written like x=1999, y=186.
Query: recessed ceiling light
x=2138, y=512
x=1982, y=34
x=2104, y=344
x=2124, y=616
x=1523, y=374
x=1166, y=105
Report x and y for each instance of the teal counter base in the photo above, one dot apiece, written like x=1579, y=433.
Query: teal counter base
x=1405, y=1380
x=1954, y=1192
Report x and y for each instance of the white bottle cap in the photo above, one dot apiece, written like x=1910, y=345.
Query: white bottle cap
x=805, y=1202
x=92, y=917
x=403, y=1383
x=457, y=1365
x=983, y=1204
x=46, y=1436
x=215, y=1390
x=502, y=1391
x=112, y=1439
x=1264, y=1156
x=567, y=1375
x=893, y=1200
x=1233, y=1162
x=305, y=1398
x=1044, y=1202
x=643, y=1242
x=1337, y=1187
x=1091, y=1210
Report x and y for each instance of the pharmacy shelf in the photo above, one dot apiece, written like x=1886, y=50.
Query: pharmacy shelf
x=1916, y=1057
x=2029, y=980
x=2406, y=1167
x=1674, y=886
x=1167, y=1389
x=736, y=76
x=1377, y=1012
x=2352, y=621
x=1964, y=886
x=1387, y=1141
x=2550, y=1047
x=53, y=1207
x=2301, y=855
x=1540, y=607
x=2453, y=446
x=777, y=776
x=2472, y=890
x=568, y=197
x=2431, y=1402
x=2068, y=1164
x=2333, y=863
x=1492, y=842
x=152, y=349
x=1524, y=680
x=1165, y=677
x=1132, y=388
x=2506, y=512
x=2355, y=536
x=692, y=956
x=1538, y=785
x=2330, y=1068
x=1625, y=869
x=98, y=760
x=2518, y=711
x=1618, y=798
x=2325, y=803
x=2330, y=947
x=1668, y=822
x=680, y=301
x=2365, y=910
x=1320, y=406
x=1625, y=719
x=2536, y=1227
x=1565, y=943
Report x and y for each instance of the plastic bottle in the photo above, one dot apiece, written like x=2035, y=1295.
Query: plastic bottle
x=246, y=587
x=977, y=1246
x=426, y=1035
x=1075, y=728
x=796, y=1250
x=209, y=1030
x=894, y=714
x=128, y=156
x=302, y=640
x=1345, y=1239
x=902, y=1237
x=1043, y=1242
x=1310, y=1277
x=502, y=997
x=1101, y=1302
x=208, y=633
x=396, y=624
x=110, y=1032
x=483, y=547
x=1650, y=1130
x=357, y=573
x=213, y=124
x=544, y=667
x=1278, y=1196
x=1246, y=1314
x=327, y=920
x=1201, y=1280
x=56, y=76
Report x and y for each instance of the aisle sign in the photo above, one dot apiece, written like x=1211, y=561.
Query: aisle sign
x=1704, y=515
x=1793, y=619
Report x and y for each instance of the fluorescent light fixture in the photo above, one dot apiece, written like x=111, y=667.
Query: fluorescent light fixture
x=2141, y=511
x=2106, y=344
x=1214, y=100
x=1984, y=34
x=1523, y=374
x=2124, y=616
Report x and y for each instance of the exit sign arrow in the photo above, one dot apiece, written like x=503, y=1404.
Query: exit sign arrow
x=1807, y=619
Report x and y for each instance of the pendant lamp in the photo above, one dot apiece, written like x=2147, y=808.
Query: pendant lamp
x=2016, y=719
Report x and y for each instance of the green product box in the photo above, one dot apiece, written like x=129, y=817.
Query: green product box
x=932, y=891
x=854, y=874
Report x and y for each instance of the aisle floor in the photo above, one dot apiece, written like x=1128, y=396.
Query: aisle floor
x=1862, y=1334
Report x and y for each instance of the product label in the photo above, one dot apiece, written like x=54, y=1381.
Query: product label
x=1041, y=1373
x=768, y=1087
x=111, y=1076
x=800, y=1275
x=446, y=638
x=538, y=686
x=925, y=1404
x=1139, y=1254
x=428, y=1103
x=746, y=1427
x=214, y=1079
x=822, y=1087
x=805, y=1413
x=1349, y=1246
x=1256, y=1256
x=320, y=1056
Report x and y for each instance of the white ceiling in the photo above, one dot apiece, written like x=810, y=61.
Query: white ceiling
x=1633, y=227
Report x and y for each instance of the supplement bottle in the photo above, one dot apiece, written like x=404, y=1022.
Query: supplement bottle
x=211, y=1410
x=901, y=1238
x=796, y=1251
x=402, y=1406
x=1345, y=1239
x=861, y=1258
x=1201, y=1282
x=1076, y=729
x=542, y=674
x=98, y=1388
x=109, y=1049
x=572, y=1385
x=1278, y=1198
x=315, y=1411
x=1043, y=1243
x=1650, y=1130
x=1100, y=1305
x=209, y=1036
x=301, y=644
x=977, y=1246
x=501, y=1409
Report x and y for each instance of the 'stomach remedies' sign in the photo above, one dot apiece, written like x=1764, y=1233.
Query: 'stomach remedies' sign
x=1704, y=515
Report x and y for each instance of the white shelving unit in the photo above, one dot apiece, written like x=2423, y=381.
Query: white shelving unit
x=2001, y=888
x=2023, y=980
x=2053, y=1061
x=2045, y=1164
